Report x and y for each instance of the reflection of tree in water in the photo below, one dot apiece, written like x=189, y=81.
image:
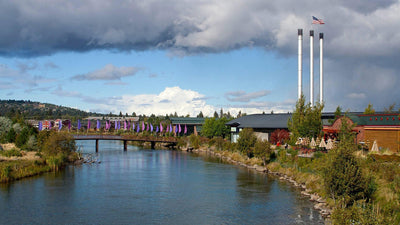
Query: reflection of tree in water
x=252, y=183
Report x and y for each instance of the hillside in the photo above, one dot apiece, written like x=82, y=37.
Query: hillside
x=39, y=111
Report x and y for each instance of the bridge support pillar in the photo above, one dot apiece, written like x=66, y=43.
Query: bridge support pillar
x=153, y=144
x=97, y=145
x=125, y=145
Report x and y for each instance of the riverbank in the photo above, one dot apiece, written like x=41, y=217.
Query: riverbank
x=16, y=164
x=286, y=174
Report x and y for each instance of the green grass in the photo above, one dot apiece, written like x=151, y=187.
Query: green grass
x=10, y=153
x=17, y=169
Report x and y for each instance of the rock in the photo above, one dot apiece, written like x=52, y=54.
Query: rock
x=305, y=193
x=259, y=168
x=319, y=206
x=321, y=200
x=314, y=197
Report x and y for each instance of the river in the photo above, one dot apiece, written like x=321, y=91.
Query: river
x=142, y=186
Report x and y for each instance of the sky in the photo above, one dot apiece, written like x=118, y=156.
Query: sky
x=160, y=57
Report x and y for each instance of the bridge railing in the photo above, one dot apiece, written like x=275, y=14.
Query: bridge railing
x=126, y=138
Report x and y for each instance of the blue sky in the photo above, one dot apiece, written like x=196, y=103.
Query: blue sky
x=190, y=56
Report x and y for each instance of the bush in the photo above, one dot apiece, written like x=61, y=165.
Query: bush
x=262, y=150
x=344, y=179
x=230, y=146
x=10, y=153
x=22, y=137
x=246, y=141
x=194, y=141
x=182, y=141
x=5, y=172
x=280, y=136
x=58, y=143
x=219, y=143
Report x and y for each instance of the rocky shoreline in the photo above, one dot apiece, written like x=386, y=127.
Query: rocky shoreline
x=319, y=203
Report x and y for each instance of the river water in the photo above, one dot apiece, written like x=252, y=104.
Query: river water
x=142, y=186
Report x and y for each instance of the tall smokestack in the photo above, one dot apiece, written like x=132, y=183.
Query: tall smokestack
x=321, y=68
x=300, y=61
x=312, y=67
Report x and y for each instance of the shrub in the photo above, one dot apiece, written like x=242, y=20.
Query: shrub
x=182, y=141
x=279, y=135
x=246, y=141
x=344, y=178
x=58, y=143
x=262, y=150
x=194, y=141
x=5, y=172
x=10, y=153
x=22, y=137
x=219, y=142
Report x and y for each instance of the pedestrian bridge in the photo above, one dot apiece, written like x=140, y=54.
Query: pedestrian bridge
x=170, y=141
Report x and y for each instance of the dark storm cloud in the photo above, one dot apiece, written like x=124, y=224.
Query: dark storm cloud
x=362, y=44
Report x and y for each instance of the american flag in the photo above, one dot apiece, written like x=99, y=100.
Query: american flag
x=315, y=20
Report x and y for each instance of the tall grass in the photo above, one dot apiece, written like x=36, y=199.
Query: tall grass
x=14, y=170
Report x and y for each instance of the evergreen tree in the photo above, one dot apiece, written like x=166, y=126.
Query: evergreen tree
x=343, y=177
x=369, y=109
x=338, y=112
x=200, y=115
x=239, y=114
x=22, y=138
x=11, y=135
x=390, y=109
x=306, y=120
x=215, y=114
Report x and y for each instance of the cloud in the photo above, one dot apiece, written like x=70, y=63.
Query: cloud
x=21, y=78
x=62, y=93
x=116, y=83
x=108, y=72
x=27, y=66
x=361, y=46
x=172, y=99
x=242, y=96
x=51, y=65
x=7, y=85
x=190, y=27
x=356, y=95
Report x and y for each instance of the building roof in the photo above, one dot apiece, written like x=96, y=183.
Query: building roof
x=276, y=120
x=187, y=120
x=376, y=119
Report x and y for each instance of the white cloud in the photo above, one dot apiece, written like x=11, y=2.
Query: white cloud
x=176, y=99
x=242, y=96
x=108, y=72
x=172, y=99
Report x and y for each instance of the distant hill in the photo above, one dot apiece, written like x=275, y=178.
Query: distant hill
x=40, y=111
